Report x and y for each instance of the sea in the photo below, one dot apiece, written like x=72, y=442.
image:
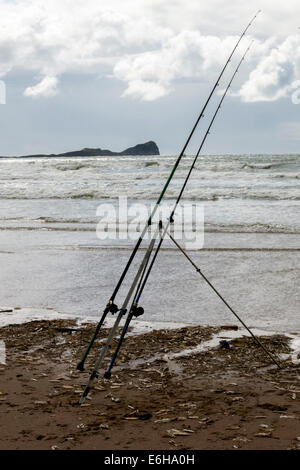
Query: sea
x=52, y=257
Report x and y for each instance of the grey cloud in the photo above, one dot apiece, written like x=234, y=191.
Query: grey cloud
x=143, y=49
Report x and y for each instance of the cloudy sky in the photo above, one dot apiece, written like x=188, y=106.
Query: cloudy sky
x=110, y=74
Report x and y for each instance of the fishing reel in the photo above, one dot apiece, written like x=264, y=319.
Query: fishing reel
x=137, y=311
x=113, y=308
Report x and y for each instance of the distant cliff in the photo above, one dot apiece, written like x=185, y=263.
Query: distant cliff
x=148, y=148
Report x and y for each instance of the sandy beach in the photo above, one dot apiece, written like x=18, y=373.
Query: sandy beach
x=215, y=399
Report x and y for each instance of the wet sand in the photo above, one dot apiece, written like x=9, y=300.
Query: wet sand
x=216, y=399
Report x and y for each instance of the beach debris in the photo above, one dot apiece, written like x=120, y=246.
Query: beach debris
x=155, y=370
x=177, y=432
x=81, y=426
x=104, y=426
x=232, y=399
x=263, y=434
x=117, y=400
x=62, y=377
x=164, y=420
x=206, y=421
x=223, y=344
x=164, y=410
x=229, y=327
x=259, y=364
x=241, y=439
x=287, y=416
x=265, y=431
x=66, y=330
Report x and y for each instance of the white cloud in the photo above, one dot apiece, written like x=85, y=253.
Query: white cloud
x=187, y=55
x=275, y=73
x=149, y=44
x=47, y=87
x=146, y=90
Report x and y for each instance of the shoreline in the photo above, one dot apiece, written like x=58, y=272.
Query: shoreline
x=213, y=398
x=21, y=315
x=91, y=271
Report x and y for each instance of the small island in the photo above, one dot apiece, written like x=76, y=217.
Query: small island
x=148, y=148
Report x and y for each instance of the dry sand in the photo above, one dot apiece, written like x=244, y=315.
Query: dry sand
x=217, y=399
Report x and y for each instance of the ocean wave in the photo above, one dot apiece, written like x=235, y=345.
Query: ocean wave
x=79, y=220
x=264, y=166
x=69, y=225
x=260, y=177
x=72, y=167
x=251, y=228
x=142, y=195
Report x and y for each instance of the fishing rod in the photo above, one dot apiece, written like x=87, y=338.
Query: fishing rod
x=171, y=218
x=111, y=306
x=224, y=301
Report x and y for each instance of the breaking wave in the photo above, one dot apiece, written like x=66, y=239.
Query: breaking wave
x=269, y=177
